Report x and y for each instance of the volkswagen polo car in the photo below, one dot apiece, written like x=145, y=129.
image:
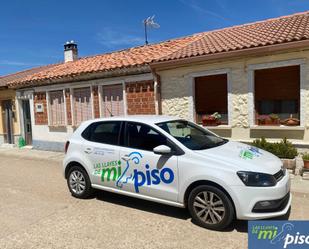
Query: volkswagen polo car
x=176, y=162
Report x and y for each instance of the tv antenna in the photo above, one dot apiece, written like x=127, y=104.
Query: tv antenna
x=149, y=23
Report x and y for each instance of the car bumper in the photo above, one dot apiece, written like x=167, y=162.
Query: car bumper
x=246, y=199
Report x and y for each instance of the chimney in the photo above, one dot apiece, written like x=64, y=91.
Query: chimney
x=70, y=51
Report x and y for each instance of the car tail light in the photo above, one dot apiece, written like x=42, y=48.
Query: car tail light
x=66, y=147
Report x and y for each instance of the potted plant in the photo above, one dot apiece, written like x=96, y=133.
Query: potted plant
x=291, y=121
x=211, y=120
x=305, y=157
x=285, y=150
x=262, y=119
x=274, y=119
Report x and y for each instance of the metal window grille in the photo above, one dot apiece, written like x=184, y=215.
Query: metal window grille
x=56, y=107
x=113, y=104
x=82, y=104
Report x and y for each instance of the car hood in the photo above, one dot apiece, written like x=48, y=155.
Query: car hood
x=243, y=157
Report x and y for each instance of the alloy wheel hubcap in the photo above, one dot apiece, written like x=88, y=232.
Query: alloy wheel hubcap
x=209, y=207
x=77, y=182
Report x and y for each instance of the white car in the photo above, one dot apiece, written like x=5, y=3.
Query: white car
x=176, y=162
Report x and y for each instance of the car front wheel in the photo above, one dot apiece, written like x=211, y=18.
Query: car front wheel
x=79, y=182
x=210, y=207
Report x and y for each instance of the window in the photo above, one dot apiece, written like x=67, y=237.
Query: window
x=211, y=97
x=103, y=132
x=191, y=135
x=140, y=136
x=277, y=92
x=82, y=105
x=56, y=108
x=113, y=104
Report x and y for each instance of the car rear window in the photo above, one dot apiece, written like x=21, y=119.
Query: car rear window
x=103, y=132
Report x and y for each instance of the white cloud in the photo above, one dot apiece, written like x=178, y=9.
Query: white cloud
x=195, y=6
x=111, y=38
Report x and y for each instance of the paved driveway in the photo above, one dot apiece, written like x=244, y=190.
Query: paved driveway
x=37, y=211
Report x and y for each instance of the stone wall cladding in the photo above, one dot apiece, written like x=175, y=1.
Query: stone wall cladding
x=140, y=97
x=177, y=95
x=239, y=95
x=68, y=106
x=96, y=105
x=175, y=100
x=40, y=117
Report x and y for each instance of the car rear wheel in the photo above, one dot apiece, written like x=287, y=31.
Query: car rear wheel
x=79, y=183
x=210, y=207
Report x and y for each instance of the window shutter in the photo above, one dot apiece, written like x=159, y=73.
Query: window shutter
x=211, y=94
x=82, y=104
x=113, y=104
x=281, y=83
x=57, y=115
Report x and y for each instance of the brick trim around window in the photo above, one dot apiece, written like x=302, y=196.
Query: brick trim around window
x=140, y=97
x=68, y=106
x=40, y=117
x=96, y=105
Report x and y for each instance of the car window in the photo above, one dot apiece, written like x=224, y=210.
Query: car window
x=191, y=135
x=140, y=136
x=105, y=132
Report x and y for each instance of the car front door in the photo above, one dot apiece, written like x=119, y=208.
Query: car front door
x=145, y=172
x=102, y=152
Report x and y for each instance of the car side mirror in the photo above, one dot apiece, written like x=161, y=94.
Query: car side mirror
x=162, y=150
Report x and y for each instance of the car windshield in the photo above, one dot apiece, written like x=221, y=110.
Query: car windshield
x=191, y=135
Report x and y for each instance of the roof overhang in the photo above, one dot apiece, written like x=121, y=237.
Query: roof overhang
x=83, y=77
x=265, y=50
x=3, y=87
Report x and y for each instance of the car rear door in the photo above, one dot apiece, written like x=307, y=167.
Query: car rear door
x=101, y=148
x=147, y=173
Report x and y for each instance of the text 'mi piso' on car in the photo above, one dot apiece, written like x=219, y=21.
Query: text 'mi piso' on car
x=176, y=162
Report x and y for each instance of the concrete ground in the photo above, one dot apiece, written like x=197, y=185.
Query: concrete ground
x=37, y=211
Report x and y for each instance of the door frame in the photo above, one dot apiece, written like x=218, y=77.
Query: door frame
x=8, y=117
x=24, y=123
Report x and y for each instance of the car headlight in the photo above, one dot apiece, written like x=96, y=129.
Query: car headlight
x=255, y=179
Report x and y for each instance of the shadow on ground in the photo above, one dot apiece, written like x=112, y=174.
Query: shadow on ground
x=157, y=208
x=148, y=206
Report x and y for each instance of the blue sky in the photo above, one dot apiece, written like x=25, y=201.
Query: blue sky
x=33, y=32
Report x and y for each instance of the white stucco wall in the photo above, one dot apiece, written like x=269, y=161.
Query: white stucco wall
x=178, y=95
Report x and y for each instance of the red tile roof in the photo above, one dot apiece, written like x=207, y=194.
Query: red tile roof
x=133, y=57
x=6, y=79
x=286, y=29
x=263, y=33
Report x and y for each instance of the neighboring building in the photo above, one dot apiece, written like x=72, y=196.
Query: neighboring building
x=64, y=95
x=243, y=72
x=14, y=123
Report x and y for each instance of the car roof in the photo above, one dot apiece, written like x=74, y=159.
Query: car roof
x=147, y=119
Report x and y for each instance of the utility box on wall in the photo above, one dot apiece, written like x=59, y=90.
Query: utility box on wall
x=39, y=107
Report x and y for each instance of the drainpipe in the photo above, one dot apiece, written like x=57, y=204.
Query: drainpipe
x=157, y=91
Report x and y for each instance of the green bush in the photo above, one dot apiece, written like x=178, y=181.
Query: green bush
x=305, y=156
x=283, y=149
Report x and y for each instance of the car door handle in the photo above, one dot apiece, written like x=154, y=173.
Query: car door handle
x=88, y=150
x=125, y=158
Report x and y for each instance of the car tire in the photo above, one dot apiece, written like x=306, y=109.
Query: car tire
x=210, y=207
x=79, y=183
